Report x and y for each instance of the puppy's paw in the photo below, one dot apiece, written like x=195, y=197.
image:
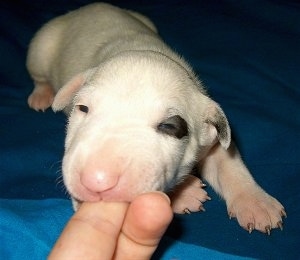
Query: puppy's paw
x=189, y=196
x=41, y=97
x=257, y=210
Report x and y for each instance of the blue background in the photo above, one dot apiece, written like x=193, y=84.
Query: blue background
x=247, y=53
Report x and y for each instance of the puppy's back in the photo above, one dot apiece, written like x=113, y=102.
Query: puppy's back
x=73, y=42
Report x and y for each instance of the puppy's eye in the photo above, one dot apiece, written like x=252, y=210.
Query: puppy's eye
x=83, y=108
x=174, y=126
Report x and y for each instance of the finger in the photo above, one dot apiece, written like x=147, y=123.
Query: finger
x=147, y=218
x=91, y=233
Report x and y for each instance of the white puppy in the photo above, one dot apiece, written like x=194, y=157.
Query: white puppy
x=139, y=117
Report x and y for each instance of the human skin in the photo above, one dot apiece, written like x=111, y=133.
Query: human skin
x=115, y=230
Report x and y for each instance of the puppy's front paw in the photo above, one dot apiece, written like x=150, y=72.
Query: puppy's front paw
x=189, y=196
x=41, y=97
x=257, y=210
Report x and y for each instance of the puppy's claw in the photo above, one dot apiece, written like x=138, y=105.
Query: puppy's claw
x=231, y=215
x=268, y=230
x=203, y=185
x=280, y=225
x=250, y=227
x=186, y=211
x=283, y=213
x=201, y=208
x=208, y=198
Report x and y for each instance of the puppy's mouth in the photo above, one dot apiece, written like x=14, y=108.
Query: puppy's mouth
x=102, y=197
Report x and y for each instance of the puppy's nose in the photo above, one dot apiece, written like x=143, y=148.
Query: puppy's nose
x=97, y=181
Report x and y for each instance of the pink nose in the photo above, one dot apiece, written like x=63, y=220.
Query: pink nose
x=102, y=169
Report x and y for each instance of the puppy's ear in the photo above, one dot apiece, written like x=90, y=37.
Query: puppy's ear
x=215, y=126
x=66, y=94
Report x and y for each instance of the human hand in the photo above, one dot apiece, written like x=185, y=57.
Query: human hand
x=115, y=230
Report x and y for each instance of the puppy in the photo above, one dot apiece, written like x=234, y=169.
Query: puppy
x=139, y=119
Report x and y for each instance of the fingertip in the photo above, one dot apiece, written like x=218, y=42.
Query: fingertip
x=147, y=219
x=155, y=198
x=152, y=210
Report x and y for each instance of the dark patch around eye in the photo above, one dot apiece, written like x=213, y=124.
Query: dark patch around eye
x=174, y=126
x=83, y=108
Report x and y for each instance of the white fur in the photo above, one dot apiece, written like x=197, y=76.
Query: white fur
x=112, y=62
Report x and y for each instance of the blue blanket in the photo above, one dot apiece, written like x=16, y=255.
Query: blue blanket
x=247, y=53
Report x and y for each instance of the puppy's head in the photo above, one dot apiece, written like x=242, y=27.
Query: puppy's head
x=138, y=123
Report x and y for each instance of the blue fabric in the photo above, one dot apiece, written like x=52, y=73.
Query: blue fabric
x=248, y=55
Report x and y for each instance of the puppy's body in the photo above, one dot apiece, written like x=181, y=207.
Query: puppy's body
x=139, y=118
x=64, y=50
